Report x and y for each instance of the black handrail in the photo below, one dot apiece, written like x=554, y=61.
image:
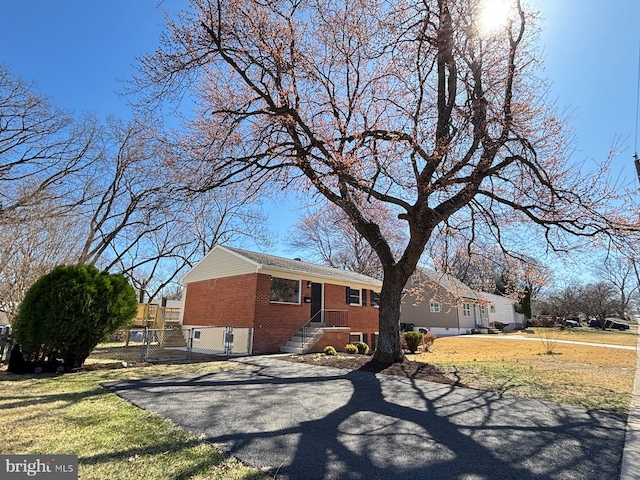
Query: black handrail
x=307, y=330
x=328, y=318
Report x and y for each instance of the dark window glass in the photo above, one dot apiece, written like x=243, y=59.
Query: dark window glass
x=375, y=299
x=285, y=290
x=354, y=297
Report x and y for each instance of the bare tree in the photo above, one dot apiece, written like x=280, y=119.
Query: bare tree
x=31, y=248
x=42, y=150
x=327, y=235
x=142, y=220
x=619, y=271
x=599, y=300
x=127, y=188
x=222, y=216
x=186, y=231
x=75, y=191
x=406, y=105
x=562, y=302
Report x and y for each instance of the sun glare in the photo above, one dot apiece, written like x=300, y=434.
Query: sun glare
x=493, y=16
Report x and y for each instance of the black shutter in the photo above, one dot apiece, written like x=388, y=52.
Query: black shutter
x=348, y=295
x=364, y=297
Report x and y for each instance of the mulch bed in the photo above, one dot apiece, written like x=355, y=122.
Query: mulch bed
x=366, y=363
x=363, y=363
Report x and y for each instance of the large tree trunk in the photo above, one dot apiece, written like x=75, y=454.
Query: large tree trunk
x=396, y=275
x=389, y=347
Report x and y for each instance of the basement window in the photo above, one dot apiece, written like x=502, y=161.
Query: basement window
x=284, y=290
x=355, y=337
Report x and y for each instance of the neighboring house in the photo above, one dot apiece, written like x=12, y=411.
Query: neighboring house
x=441, y=304
x=277, y=296
x=501, y=309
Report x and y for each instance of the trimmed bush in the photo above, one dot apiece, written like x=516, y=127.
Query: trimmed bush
x=350, y=348
x=329, y=350
x=363, y=348
x=413, y=340
x=67, y=312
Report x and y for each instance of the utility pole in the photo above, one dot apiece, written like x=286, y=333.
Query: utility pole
x=636, y=160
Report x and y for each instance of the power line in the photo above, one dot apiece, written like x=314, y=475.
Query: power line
x=635, y=145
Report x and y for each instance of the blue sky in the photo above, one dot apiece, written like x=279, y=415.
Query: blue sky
x=76, y=51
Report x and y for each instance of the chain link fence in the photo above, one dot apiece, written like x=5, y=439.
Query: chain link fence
x=174, y=344
x=163, y=345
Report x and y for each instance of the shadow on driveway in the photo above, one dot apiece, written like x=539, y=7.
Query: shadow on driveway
x=306, y=422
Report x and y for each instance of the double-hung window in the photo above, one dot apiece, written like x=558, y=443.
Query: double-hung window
x=434, y=307
x=353, y=296
x=466, y=309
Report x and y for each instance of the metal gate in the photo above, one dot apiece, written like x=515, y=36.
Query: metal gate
x=196, y=343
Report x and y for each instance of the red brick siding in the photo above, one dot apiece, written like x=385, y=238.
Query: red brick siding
x=362, y=318
x=228, y=301
x=336, y=338
x=243, y=301
x=277, y=322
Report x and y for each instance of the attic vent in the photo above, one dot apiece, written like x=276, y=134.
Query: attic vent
x=297, y=259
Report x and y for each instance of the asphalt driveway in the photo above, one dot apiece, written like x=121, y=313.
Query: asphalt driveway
x=306, y=422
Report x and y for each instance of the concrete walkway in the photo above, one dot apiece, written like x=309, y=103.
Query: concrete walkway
x=537, y=339
x=299, y=421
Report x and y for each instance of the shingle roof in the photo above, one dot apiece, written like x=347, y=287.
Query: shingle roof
x=306, y=267
x=449, y=282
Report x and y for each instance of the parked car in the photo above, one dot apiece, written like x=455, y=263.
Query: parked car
x=5, y=330
x=615, y=324
x=572, y=323
x=595, y=323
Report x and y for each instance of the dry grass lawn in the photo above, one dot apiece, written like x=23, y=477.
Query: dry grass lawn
x=583, y=335
x=582, y=375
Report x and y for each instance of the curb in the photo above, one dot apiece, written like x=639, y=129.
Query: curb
x=631, y=454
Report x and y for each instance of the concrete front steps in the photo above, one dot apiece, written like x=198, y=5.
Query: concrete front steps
x=297, y=345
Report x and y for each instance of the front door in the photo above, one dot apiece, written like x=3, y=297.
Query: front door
x=316, y=302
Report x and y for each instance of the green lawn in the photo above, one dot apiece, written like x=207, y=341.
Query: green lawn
x=73, y=414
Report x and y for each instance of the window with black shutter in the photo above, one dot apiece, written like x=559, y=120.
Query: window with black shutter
x=353, y=296
x=375, y=299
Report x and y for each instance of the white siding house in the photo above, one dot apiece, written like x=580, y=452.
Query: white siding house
x=501, y=309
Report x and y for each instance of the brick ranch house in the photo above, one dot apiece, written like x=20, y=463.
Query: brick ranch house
x=277, y=297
